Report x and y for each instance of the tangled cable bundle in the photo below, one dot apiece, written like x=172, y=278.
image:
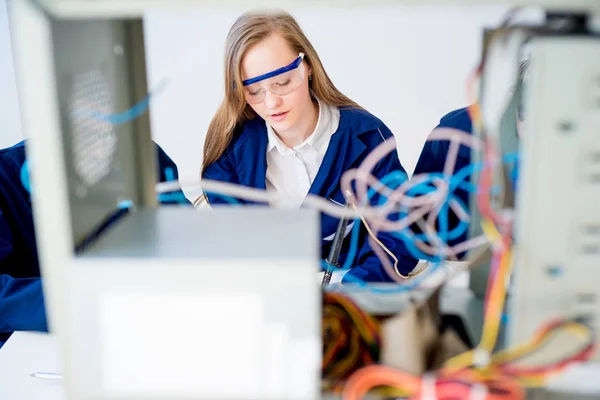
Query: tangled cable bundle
x=351, y=340
x=501, y=378
x=404, y=198
x=457, y=386
x=404, y=204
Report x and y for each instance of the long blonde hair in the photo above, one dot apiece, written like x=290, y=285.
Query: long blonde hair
x=248, y=30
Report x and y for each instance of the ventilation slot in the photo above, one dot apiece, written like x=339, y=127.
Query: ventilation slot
x=589, y=240
x=591, y=170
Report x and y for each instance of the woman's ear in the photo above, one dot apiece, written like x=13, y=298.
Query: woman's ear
x=308, y=70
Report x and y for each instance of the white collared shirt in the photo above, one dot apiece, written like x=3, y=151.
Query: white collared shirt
x=292, y=171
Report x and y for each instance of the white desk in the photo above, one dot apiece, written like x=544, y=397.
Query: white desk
x=28, y=352
x=23, y=354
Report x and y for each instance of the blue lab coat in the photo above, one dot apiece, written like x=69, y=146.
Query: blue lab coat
x=434, y=153
x=21, y=297
x=245, y=162
x=433, y=157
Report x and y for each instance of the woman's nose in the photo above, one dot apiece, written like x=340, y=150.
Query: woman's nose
x=271, y=100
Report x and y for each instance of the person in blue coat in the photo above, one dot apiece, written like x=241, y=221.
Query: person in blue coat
x=284, y=127
x=21, y=296
x=434, y=153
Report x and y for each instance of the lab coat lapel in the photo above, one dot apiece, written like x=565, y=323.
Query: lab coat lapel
x=251, y=154
x=344, y=149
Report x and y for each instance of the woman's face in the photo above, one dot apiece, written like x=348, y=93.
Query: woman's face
x=281, y=112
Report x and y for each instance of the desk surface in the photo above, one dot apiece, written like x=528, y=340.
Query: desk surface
x=23, y=354
x=28, y=352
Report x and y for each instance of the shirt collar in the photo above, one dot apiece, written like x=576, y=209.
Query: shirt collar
x=313, y=140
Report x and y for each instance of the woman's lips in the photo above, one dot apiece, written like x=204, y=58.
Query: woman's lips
x=279, y=116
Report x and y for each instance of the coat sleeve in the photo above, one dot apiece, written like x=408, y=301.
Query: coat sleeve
x=369, y=267
x=21, y=299
x=222, y=170
x=433, y=159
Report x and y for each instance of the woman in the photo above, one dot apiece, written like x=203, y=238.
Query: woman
x=284, y=127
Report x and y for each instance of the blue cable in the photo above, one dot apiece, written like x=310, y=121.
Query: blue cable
x=126, y=116
x=455, y=232
x=394, y=177
x=423, y=188
x=353, y=250
x=356, y=228
x=456, y=181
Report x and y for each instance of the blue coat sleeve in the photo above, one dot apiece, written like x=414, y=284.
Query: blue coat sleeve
x=221, y=170
x=433, y=159
x=21, y=305
x=21, y=299
x=368, y=267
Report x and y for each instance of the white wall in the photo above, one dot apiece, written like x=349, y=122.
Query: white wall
x=405, y=64
x=10, y=118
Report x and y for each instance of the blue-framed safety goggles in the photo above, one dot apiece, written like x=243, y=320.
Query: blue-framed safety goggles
x=281, y=81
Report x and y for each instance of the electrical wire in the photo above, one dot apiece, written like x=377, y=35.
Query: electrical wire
x=374, y=238
x=496, y=293
x=455, y=182
x=377, y=217
x=502, y=378
x=505, y=360
x=405, y=235
x=479, y=366
x=364, y=380
x=351, y=340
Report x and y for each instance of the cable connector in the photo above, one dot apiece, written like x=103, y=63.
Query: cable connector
x=478, y=392
x=428, y=383
x=481, y=358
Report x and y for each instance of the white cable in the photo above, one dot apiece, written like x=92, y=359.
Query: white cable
x=478, y=392
x=428, y=391
x=362, y=179
x=481, y=358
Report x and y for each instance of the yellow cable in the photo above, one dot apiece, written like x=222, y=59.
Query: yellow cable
x=496, y=303
x=460, y=361
x=493, y=313
x=531, y=382
x=490, y=231
x=538, y=341
x=502, y=357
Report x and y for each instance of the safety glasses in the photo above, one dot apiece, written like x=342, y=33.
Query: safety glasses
x=281, y=82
